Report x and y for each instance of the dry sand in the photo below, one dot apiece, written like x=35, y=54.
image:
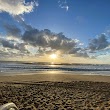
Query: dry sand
x=56, y=92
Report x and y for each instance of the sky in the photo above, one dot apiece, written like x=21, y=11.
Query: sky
x=76, y=31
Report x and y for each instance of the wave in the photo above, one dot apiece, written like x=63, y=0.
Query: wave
x=33, y=67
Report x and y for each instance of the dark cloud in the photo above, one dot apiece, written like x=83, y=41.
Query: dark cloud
x=34, y=37
x=13, y=45
x=80, y=52
x=8, y=44
x=57, y=42
x=45, y=38
x=12, y=30
x=74, y=50
x=98, y=43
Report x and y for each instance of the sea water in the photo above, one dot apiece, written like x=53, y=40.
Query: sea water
x=18, y=68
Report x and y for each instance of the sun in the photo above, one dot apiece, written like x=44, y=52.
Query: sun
x=53, y=56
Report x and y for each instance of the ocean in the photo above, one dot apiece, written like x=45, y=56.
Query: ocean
x=19, y=68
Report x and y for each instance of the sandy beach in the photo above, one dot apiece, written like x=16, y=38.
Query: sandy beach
x=56, y=91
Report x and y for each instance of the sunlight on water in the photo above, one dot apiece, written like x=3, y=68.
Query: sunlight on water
x=52, y=65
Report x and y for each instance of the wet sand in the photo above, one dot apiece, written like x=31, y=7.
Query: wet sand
x=68, y=77
x=56, y=92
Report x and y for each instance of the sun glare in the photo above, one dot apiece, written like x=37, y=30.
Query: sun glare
x=53, y=56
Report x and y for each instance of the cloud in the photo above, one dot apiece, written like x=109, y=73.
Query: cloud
x=45, y=39
x=82, y=54
x=49, y=42
x=8, y=44
x=63, y=4
x=16, y=7
x=74, y=50
x=98, y=43
x=12, y=30
x=79, y=52
x=13, y=45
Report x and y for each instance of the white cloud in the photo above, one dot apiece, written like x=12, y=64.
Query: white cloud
x=63, y=4
x=76, y=40
x=15, y=39
x=81, y=44
x=66, y=7
x=16, y=7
